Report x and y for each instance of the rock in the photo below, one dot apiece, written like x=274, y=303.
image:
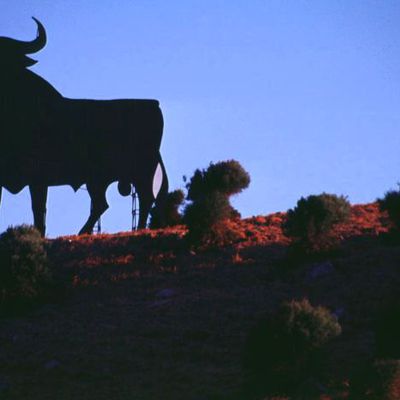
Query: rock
x=52, y=364
x=165, y=293
x=319, y=270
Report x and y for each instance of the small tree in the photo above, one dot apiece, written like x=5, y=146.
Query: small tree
x=24, y=270
x=209, y=191
x=169, y=215
x=310, y=223
x=391, y=204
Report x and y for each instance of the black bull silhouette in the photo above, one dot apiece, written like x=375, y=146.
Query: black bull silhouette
x=49, y=140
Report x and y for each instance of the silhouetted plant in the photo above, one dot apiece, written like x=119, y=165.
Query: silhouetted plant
x=205, y=218
x=209, y=190
x=310, y=223
x=283, y=349
x=24, y=270
x=225, y=177
x=169, y=214
x=391, y=204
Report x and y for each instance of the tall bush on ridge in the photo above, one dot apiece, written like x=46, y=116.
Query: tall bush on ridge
x=209, y=191
x=205, y=218
x=310, y=223
x=284, y=348
x=225, y=177
x=24, y=269
x=391, y=204
x=169, y=215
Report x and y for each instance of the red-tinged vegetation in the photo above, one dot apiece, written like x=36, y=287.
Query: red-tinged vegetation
x=365, y=219
x=159, y=246
x=146, y=316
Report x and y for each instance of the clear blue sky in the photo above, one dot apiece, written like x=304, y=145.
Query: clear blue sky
x=305, y=94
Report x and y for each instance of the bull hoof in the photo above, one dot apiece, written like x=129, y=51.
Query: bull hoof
x=86, y=231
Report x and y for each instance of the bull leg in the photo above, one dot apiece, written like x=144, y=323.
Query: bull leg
x=39, y=199
x=97, y=192
x=146, y=200
x=144, y=189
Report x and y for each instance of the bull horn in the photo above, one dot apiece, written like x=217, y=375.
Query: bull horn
x=23, y=47
x=38, y=43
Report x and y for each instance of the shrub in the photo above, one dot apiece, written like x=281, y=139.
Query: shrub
x=169, y=214
x=205, y=218
x=310, y=223
x=282, y=349
x=225, y=177
x=305, y=326
x=24, y=270
x=209, y=190
x=391, y=204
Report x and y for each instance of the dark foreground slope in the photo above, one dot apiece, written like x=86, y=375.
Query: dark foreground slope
x=143, y=317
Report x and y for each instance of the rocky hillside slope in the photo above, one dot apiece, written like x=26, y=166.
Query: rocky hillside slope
x=145, y=317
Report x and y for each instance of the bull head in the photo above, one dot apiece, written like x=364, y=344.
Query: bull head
x=13, y=51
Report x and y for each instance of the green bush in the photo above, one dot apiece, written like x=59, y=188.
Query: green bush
x=306, y=327
x=24, y=270
x=225, y=177
x=310, y=223
x=169, y=214
x=284, y=348
x=204, y=218
x=209, y=191
x=391, y=204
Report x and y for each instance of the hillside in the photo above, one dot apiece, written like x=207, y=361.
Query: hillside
x=144, y=317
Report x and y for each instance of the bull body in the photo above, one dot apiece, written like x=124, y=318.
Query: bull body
x=49, y=140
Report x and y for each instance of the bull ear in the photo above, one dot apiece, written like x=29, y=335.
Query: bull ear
x=19, y=61
x=28, y=62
